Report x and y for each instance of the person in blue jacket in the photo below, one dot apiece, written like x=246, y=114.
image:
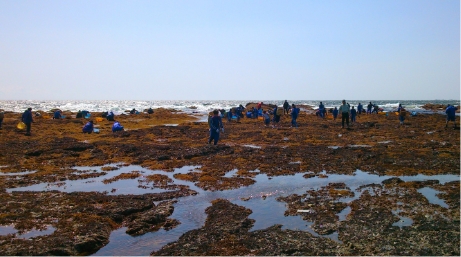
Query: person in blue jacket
x=451, y=115
x=255, y=113
x=88, y=128
x=294, y=115
x=110, y=116
x=276, y=118
x=335, y=113
x=117, y=127
x=27, y=119
x=322, y=110
x=229, y=115
x=353, y=114
x=215, y=126
x=57, y=114
x=359, y=109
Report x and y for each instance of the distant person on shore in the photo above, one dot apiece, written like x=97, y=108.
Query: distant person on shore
x=335, y=113
x=344, y=109
x=353, y=114
x=322, y=110
x=57, y=114
x=286, y=107
x=88, y=127
x=267, y=118
x=369, y=106
x=402, y=113
x=294, y=115
x=255, y=113
x=359, y=109
x=27, y=119
x=277, y=115
x=110, y=116
x=375, y=109
x=451, y=115
x=229, y=115
x=117, y=127
x=150, y=110
x=2, y=115
x=215, y=126
x=259, y=105
x=134, y=111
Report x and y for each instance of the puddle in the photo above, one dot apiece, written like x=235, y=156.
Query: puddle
x=122, y=186
x=334, y=147
x=359, y=145
x=403, y=222
x=343, y=214
x=252, y=146
x=431, y=195
x=190, y=210
x=231, y=173
x=385, y=142
x=19, y=173
x=5, y=230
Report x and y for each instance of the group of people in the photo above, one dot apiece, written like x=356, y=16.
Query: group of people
x=347, y=112
x=89, y=127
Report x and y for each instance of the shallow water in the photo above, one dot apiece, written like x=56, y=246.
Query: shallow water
x=190, y=210
x=5, y=230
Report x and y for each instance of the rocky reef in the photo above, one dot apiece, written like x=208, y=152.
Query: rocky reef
x=168, y=139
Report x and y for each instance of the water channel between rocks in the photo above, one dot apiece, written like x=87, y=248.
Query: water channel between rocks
x=190, y=211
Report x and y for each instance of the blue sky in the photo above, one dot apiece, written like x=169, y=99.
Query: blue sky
x=229, y=50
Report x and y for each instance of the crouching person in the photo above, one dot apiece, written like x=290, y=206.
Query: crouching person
x=117, y=127
x=88, y=128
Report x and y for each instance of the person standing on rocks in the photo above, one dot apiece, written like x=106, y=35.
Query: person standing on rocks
x=276, y=119
x=335, y=113
x=27, y=119
x=294, y=115
x=353, y=114
x=215, y=126
x=2, y=115
x=451, y=116
x=286, y=107
x=359, y=109
x=369, y=106
x=322, y=110
x=344, y=109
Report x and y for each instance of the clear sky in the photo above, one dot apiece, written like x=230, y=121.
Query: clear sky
x=229, y=50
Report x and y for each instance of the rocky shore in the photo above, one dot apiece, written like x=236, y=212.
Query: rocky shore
x=83, y=221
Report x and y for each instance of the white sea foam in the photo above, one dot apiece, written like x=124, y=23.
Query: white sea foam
x=198, y=106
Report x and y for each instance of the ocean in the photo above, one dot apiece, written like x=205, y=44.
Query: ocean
x=199, y=106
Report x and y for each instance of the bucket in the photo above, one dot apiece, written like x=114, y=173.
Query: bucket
x=21, y=125
x=88, y=115
x=99, y=119
x=96, y=130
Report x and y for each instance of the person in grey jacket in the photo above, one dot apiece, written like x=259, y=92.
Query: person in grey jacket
x=344, y=109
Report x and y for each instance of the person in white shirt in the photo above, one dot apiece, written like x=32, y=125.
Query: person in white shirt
x=344, y=109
